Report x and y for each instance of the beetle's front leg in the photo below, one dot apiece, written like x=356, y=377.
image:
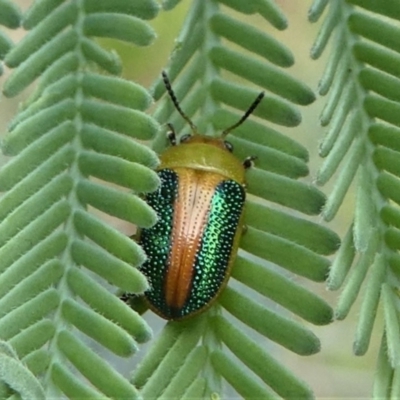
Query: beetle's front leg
x=171, y=134
x=248, y=161
x=134, y=301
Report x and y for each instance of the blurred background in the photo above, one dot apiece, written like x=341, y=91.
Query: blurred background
x=335, y=372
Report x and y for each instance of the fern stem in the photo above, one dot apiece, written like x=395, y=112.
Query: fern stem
x=66, y=257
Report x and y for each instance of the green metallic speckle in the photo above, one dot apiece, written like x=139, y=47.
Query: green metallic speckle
x=156, y=241
x=213, y=257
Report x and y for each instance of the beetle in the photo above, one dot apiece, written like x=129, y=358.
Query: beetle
x=200, y=203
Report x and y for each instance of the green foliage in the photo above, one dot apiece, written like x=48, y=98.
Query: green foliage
x=201, y=68
x=77, y=125
x=362, y=117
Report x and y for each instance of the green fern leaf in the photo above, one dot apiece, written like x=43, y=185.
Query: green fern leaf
x=191, y=355
x=77, y=125
x=362, y=116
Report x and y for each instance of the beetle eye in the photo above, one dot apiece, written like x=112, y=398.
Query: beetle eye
x=185, y=138
x=228, y=146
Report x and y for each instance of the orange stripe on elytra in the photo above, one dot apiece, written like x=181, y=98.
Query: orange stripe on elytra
x=191, y=208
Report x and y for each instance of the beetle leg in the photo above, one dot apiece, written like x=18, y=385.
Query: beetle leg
x=135, y=302
x=136, y=236
x=248, y=162
x=125, y=297
x=171, y=134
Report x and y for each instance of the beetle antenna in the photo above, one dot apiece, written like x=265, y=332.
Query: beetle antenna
x=253, y=106
x=171, y=93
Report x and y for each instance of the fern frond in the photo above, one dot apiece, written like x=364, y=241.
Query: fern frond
x=202, y=67
x=362, y=116
x=72, y=140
